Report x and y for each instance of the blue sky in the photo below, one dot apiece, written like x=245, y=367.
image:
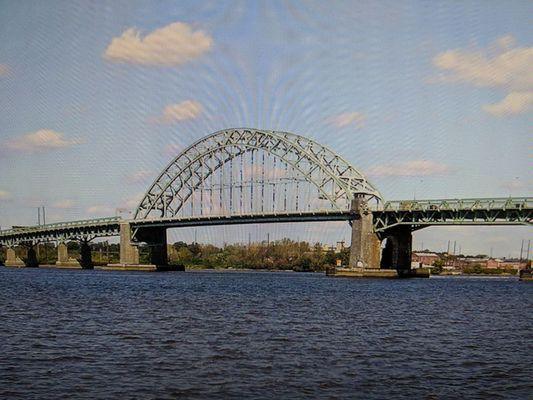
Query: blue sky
x=430, y=100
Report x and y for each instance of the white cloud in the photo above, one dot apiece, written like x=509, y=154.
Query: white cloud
x=513, y=103
x=349, y=118
x=507, y=66
x=188, y=109
x=63, y=204
x=4, y=195
x=171, y=45
x=506, y=42
x=502, y=65
x=42, y=140
x=4, y=70
x=410, y=168
x=139, y=176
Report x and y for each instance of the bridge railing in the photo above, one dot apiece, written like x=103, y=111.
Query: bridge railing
x=61, y=225
x=506, y=203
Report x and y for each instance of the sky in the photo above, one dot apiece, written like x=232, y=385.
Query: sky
x=427, y=99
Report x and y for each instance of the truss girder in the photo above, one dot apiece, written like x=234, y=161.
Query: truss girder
x=76, y=230
x=317, y=165
x=422, y=213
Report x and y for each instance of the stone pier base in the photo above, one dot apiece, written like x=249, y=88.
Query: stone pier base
x=365, y=273
x=127, y=267
x=12, y=260
x=63, y=260
x=140, y=267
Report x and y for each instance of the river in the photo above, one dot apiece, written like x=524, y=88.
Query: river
x=120, y=335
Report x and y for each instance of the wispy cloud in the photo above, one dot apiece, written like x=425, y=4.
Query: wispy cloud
x=173, y=113
x=502, y=65
x=171, y=45
x=4, y=70
x=4, y=195
x=100, y=209
x=410, y=168
x=41, y=140
x=354, y=118
x=140, y=176
x=63, y=204
x=514, y=184
x=505, y=65
x=513, y=103
x=173, y=149
x=131, y=203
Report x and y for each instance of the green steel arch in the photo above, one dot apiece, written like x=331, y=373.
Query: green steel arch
x=337, y=182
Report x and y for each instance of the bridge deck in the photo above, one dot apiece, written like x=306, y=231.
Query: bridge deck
x=416, y=213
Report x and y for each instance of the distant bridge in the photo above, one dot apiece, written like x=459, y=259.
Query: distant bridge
x=248, y=176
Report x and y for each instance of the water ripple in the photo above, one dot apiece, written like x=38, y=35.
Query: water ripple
x=106, y=335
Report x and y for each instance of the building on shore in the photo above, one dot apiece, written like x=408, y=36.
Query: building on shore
x=424, y=258
x=510, y=264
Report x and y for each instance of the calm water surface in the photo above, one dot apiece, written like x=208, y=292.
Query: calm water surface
x=111, y=335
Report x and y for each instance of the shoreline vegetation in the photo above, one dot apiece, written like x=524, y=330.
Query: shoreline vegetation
x=283, y=255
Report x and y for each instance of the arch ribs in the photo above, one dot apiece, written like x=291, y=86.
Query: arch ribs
x=334, y=179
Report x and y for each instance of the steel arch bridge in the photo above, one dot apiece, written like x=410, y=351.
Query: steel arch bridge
x=251, y=171
x=244, y=176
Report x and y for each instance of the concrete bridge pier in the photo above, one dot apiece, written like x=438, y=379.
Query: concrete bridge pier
x=129, y=252
x=86, y=261
x=32, y=260
x=365, y=250
x=397, y=251
x=12, y=260
x=156, y=239
x=63, y=260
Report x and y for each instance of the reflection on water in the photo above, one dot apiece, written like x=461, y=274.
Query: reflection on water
x=90, y=334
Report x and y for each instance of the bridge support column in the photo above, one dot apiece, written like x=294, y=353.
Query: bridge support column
x=63, y=260
x=365, y=247
x=156, y=239
x=129, y=254
x=31, y=260
x=11, y=258
x=397, y=252
x=86, y=261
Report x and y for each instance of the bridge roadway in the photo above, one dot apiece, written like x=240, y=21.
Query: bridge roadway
x=394, y=220
x=416, y=214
